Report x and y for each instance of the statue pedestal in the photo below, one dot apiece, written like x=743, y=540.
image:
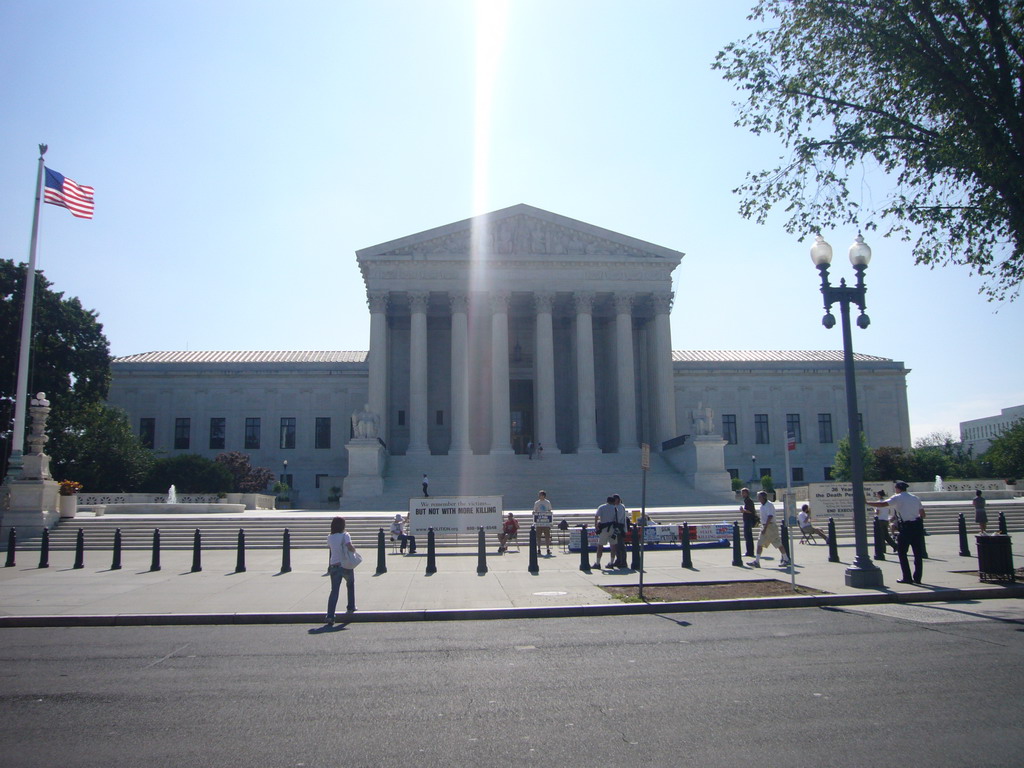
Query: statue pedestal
x=706, y=459
x=366, y=461
x=28, y=505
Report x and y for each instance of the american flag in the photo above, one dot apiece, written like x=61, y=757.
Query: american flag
x=62, y=191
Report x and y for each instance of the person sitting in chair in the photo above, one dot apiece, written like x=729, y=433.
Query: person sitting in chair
x=509, y=529
x=808, y=530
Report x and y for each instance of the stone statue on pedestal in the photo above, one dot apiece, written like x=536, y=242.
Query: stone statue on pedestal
x=703, y=420
x=365, y=424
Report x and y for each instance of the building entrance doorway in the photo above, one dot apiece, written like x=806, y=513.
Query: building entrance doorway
x=521, y=407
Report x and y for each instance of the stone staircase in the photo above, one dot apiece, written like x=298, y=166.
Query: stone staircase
x=572, y=481
x=309, y=530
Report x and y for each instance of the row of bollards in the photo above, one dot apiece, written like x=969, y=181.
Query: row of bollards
x=618, y=553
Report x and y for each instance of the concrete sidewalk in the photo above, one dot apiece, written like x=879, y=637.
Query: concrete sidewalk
x=61, y=595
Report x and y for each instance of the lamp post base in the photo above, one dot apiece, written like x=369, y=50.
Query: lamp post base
x=864, y=578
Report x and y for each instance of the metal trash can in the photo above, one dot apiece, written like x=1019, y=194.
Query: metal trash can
x=995, y=558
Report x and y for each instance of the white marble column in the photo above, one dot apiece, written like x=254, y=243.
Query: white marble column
x=460, y=374
x=544, y=371
x=664, y=425
x=624, y=372
x=418, y=418
x=378, y=358
x=501, y=430
x=586, y=390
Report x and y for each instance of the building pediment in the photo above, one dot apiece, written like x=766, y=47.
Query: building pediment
x=521, y=232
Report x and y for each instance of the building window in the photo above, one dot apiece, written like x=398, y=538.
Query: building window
x=761, y=428
x=734, y=474
x=798, y=474
x=729, y=428
x=147, y=432
x=182, y=428
x=765, y=472
x=828, y=473
x=793, y=427
x=252, y=433
x=825, y=428
x=317, y=479
x=288, y=479
x=218, y=427
x=439, y=418
x=322, y=434
x=401, y=418
x=287, y=432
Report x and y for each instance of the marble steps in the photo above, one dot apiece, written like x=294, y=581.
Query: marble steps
x=308, y=531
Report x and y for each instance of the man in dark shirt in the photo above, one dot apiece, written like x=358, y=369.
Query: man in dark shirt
x=749, y=520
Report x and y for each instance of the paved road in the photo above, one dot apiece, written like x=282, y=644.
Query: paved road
x=913, y=685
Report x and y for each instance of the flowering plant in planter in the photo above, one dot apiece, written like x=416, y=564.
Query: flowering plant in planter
x=69, y=487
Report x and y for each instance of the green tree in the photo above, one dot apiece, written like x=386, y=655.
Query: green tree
x=892, y=463
x=1006, y=453
x=841, y=463
x=245, y=477
x=940, y=453
x=925, y=97
x=70, y=357
x=189, y=473
x=100, y=450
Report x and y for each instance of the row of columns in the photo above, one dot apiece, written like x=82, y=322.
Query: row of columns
x=663, y=416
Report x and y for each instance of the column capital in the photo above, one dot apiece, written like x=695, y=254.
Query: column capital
x=584, y=301
x=418, y=301
x=662, y=302
x=499, y=301
x=459, y=301
x=623, y=303
x=544, y=301
x=378, y=300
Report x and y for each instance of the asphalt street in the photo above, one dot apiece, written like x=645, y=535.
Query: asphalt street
x=905, y=685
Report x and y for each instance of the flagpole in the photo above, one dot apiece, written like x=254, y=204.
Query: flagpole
x=21, y=393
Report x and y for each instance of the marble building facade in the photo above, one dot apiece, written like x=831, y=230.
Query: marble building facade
x=486, y=335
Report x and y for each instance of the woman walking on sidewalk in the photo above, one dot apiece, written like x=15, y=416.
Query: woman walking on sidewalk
x=341, y=566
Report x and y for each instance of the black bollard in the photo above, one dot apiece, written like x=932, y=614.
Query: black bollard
x=44, y=549
x=155, y=565
x=286, y=551
x=197, y=551
x=638, y=537
x=481, y=552
x=684, y=534
x=924, y=541
x=584, y=550
x=431, y=554
x=833, y=546
x=411, y=541
x=115, y=564
x=80, y=550
x=382, y=566
x=240, y=561
x=965, y=550
x=785, y=540
x=737, y=557
x=1002, y=523
x=533, y=567
x=879, y=539
x=12, y=545
x=619, y=549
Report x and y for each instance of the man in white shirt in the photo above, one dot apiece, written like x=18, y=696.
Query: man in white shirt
x=910, y=512
x=604, y=521
x=769, y=532
x=542, y=519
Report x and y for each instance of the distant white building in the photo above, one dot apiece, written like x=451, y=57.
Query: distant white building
x=977, y=434
x=517, y=328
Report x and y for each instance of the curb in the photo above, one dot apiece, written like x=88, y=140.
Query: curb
x=488, y=614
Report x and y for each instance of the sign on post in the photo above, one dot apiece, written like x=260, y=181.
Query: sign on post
x=645, y=457
x=836, y=499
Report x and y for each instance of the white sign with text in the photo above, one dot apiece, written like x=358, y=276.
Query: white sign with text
x=455, y=514
x=836, y=499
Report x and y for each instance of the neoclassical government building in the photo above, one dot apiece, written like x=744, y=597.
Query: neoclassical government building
x=515, y=328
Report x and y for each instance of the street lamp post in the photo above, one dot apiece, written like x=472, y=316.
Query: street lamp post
x=863, y=573
x=753, y=469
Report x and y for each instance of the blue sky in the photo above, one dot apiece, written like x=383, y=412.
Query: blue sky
x=243, y=151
